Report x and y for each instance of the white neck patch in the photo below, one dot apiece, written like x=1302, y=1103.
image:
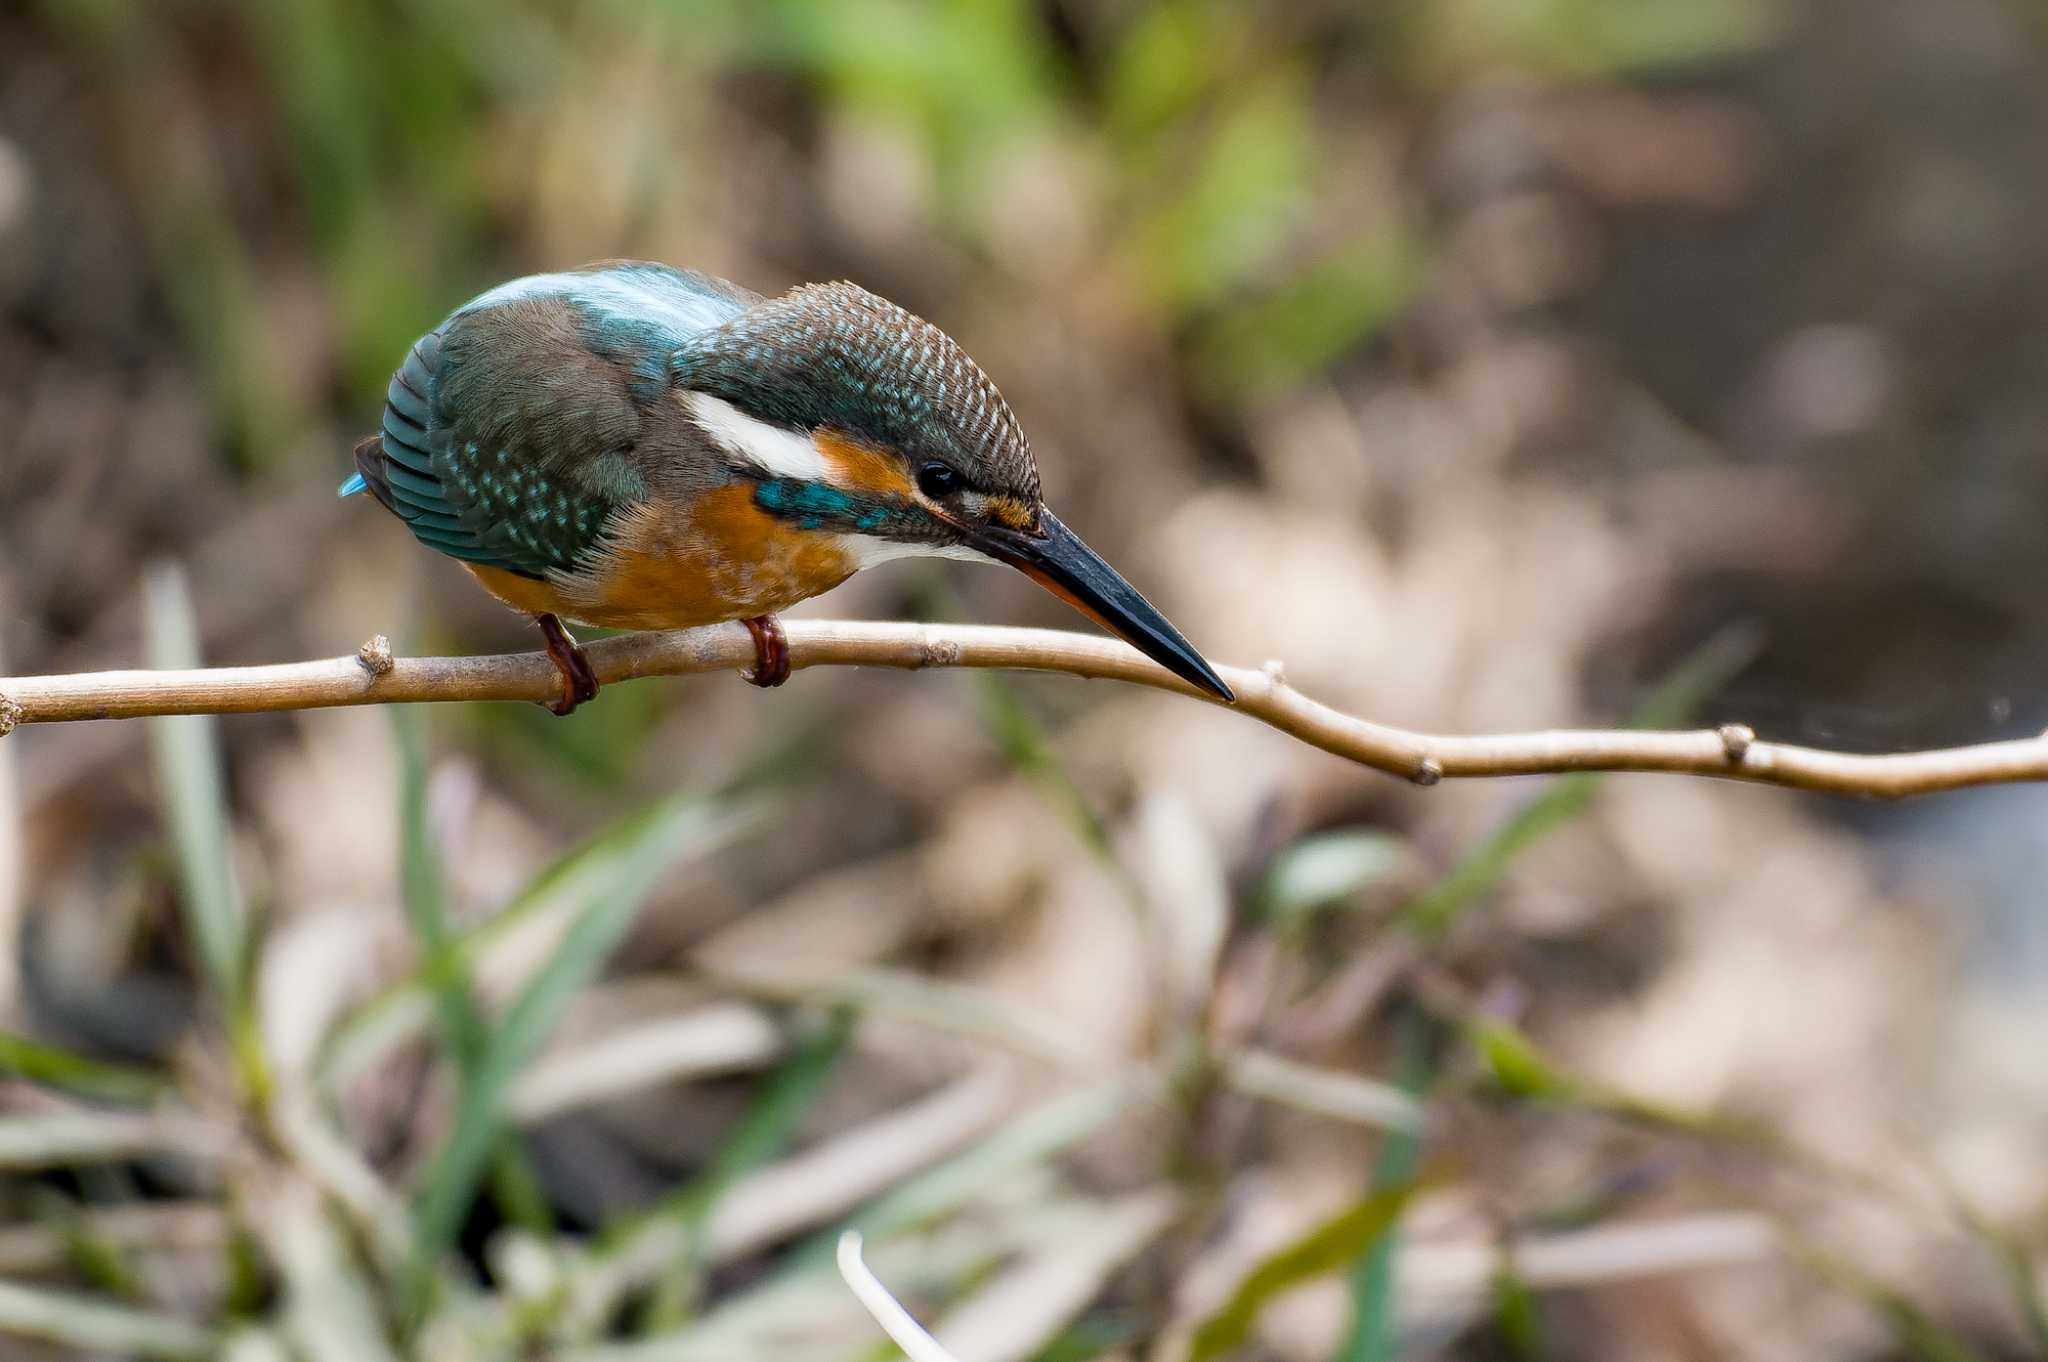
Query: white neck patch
x=777, y=452
x=866, y=550
x=786, y=454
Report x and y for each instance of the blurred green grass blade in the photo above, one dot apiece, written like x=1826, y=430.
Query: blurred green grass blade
x=186, y=758
x=1087, y=1339
x=1320, y=871
x=1023, y=743
x=774, y=1116
x=425, y=895
x=1224, y=214
x=1266, y=346
x=1515, y=1317
x=1373, y=1318
x=1519, y=1069
x=764, y=1132
x=424, y=890
x=618, y=871
x=185, y=755
x=99, y=1259
x=54, y=1067
x=1321, y=1251
x=1915, y=1333
x=2010, y=1256
x=389, y=1017
x=2024, y=1283
x=1479, y=872
x=1603, y=39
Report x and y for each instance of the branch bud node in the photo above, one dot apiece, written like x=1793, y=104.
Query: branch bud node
x=11, y=714
x=375, y=655
x=1427, y=772
x=1736, y=740
x=1275, y=670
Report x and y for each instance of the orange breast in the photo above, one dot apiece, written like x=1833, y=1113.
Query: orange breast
x=672, y=564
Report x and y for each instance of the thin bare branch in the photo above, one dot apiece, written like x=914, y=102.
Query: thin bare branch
x=373, y=677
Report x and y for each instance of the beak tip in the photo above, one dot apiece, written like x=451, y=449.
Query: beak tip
x=1060, y=562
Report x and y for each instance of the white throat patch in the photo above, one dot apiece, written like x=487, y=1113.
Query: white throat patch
x=783, y=453
x=866, y=550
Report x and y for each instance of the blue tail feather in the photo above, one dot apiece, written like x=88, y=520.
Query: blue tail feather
x=354, y=485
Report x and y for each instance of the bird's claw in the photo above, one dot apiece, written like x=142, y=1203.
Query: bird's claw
x=579, y=681
x=771, y=651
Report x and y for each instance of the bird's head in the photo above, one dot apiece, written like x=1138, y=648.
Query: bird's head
x=856, y=418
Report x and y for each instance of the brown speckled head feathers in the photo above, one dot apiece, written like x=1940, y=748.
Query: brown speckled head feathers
x=835, y=355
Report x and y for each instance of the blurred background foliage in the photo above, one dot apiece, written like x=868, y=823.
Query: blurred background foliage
x=1494, y=363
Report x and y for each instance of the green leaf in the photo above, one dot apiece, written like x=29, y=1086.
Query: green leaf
x=1330, y=867
x=614, y=876
x=1323, y=1250
x=1026, y=747
x=1516, y=1065
x=424, y=889
x=1230, y=213
x=1326, y=309
x=1373, y=1322
x=425, y=895
x=59, y=1068
x=186, y=757
x=1604, y=38
x=1915, y=1332
x=1515, y=1317
x=2022, y=1282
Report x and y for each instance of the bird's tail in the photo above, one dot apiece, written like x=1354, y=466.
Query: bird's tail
x=369, y=475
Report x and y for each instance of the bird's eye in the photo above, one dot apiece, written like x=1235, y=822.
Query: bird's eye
x=937, y=481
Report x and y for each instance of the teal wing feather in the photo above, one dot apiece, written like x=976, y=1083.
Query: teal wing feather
x=513, y=433
x=407, y=465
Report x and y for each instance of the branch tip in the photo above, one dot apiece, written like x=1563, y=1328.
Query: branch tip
x=375, y=655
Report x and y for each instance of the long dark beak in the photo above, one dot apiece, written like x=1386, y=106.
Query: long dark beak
x=1057, y=560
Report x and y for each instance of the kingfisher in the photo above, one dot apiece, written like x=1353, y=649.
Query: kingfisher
x=634, y=446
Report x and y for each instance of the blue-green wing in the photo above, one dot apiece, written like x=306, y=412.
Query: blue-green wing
x=497, y=488
x=513, y=432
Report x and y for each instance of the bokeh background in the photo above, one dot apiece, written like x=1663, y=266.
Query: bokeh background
x=1495, y=363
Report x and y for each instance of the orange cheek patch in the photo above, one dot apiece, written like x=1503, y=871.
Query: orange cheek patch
x=1012, y=513
x=857, y=466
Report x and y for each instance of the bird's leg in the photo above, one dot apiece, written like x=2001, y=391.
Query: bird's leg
x=771, y=651
x=579, y=682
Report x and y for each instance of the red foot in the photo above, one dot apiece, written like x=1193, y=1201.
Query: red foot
x=579, y=682
x=771, y=651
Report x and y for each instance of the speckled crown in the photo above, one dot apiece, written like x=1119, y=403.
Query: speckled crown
x=836, y=355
